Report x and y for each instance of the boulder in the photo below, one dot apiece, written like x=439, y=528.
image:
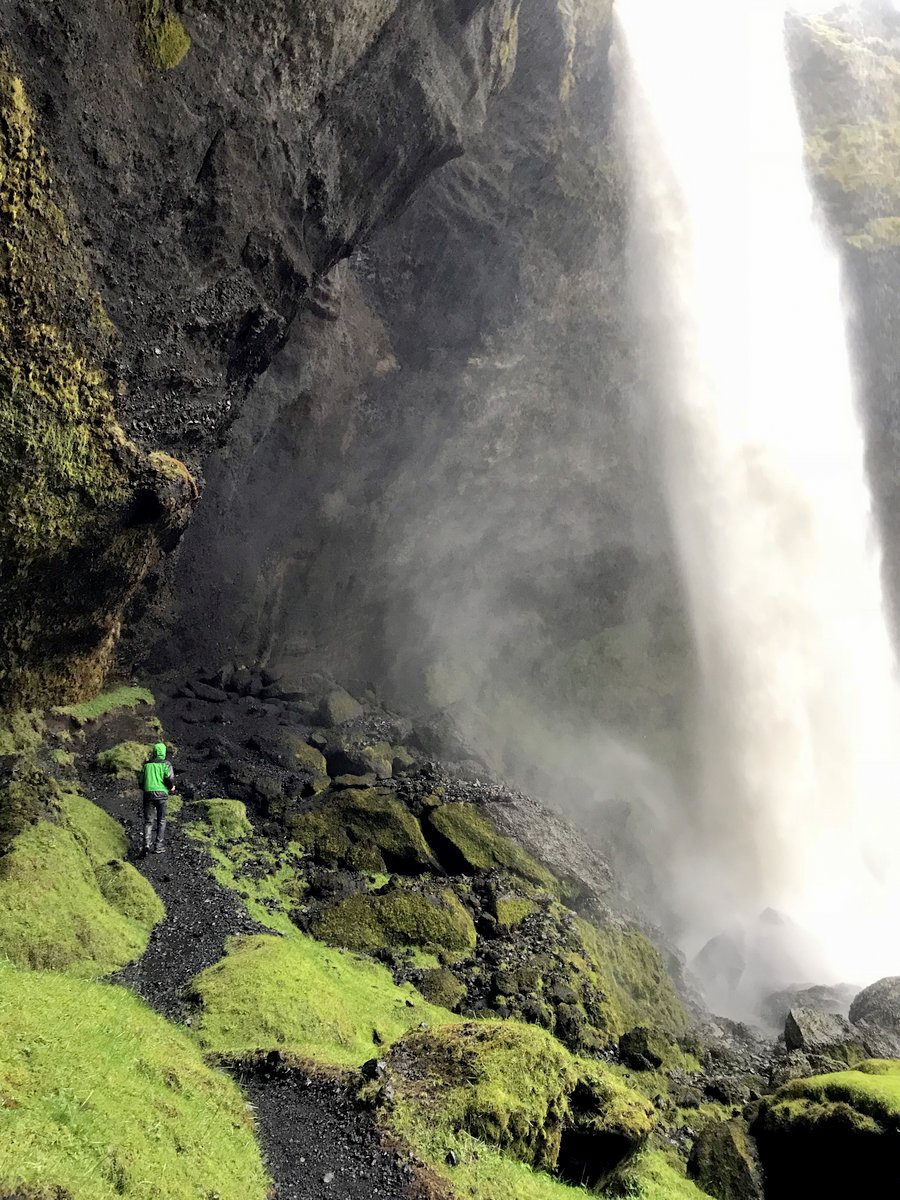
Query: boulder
x=636, y=1050
x=338, y=708
x=205, y=691
x=725, y=1162
x=835, y=999
x=879, y=1004
x=823, y=1034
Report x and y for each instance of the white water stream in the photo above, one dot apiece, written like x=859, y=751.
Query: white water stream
x=746, y=352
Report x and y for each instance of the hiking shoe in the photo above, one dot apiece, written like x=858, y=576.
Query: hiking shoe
x=159, y=849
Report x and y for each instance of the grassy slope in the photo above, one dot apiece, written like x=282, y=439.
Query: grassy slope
x=298, y=995
x=101, y=1097
x=68, y=901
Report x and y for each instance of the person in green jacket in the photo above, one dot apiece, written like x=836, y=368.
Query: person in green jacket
x=157, y=782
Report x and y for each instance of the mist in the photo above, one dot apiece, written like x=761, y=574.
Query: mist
x=480, y=490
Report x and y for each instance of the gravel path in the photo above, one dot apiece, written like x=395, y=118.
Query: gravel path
x=317, y=1142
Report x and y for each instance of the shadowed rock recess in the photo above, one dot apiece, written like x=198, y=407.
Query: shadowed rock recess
x=312, y=321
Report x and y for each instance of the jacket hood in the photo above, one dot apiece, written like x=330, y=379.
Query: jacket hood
x=159, y=750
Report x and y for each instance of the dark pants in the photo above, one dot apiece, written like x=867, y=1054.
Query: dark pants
x=157, y=802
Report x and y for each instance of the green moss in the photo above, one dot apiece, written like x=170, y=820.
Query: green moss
x=101, y=1098
x=655, y=1176
x=295, y=994
x=484, y=1173
x=512, y=1087
x=54, y=913
x=20, y=732
x=840, y=1133
x=872, y=1090
x=63, y=758
x=627, y=969
x=72, y=554
x=98, y=835
x=310, y=759
x=511, y=911
x=366, y=829
x=227, y=819
x=107, y=702
x=504, y=1083
x=440, y=986
x=397, y=918
x=264, y=876
x=165, y=39
x=124, y=760
x=469, y=842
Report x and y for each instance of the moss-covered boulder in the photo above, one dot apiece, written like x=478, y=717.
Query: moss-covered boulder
x=124, y=761
x=515, y=1087
x=298, y=995
x=440, y=986
x=839, y=1134
x=366, y=829
x=338, y=708
x=227, y=819
x=99, y=1096
x=399, y=917
x=466, y=843
x=725, y=1162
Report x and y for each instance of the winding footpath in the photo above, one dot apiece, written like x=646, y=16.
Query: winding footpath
x=317, y=1142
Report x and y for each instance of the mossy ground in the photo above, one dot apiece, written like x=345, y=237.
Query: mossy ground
x=265, y=877
x=102, y=1098
x=68, y=901
x=300, y=996
x=656, y=1176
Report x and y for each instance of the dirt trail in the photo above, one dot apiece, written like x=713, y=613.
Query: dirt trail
x=317, y=1142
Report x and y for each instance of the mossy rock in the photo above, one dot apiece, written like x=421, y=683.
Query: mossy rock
x=21, y=732
x=227, y=819
x=102, y=1096
x=440, y=986
x=298, y=995
x=125, y=760
x=725, y=1162
x=511, y=911
x=27, y=794
x=339, y=708
x=397, y=918
x=628, y=970
x=365, y=829
x=466, y=843
x=309, y=758
x=839, y=1133
x=657, y=1175
x=515, y=1087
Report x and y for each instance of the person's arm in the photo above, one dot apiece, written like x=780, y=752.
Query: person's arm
x=170, y=778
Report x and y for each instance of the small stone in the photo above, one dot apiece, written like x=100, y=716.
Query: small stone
x=452, y=1158
x=328, y=1177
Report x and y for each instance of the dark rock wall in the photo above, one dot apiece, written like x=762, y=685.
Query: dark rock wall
x=215, y=161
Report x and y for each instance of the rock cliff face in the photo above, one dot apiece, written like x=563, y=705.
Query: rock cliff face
x=185, y=179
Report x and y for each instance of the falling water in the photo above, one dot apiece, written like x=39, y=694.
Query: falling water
x=746, y=353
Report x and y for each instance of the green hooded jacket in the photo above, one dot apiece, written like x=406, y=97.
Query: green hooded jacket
x=157, y=774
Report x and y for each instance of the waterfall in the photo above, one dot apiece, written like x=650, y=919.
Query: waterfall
x=747, y=364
